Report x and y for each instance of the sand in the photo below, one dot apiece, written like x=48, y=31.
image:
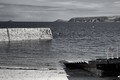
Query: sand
x=6, y=74
x=10, y=74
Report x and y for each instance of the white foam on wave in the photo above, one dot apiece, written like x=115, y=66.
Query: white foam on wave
x=22, y=68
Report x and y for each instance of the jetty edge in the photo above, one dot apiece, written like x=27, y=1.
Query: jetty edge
x=99, y=67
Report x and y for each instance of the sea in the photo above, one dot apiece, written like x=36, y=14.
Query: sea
x=71, y=42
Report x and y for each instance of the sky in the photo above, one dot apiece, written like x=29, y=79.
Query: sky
x=51, y=10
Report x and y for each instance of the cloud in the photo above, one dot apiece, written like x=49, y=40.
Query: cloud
x=55, y=3
x=1, y=6
x=117, y=4
x=49, y=10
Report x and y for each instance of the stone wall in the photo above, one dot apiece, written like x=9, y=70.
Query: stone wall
x=13, y=34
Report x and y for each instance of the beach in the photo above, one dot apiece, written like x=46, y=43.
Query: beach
x=7, y=74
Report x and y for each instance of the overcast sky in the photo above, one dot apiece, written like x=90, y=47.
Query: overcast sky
x=50, y=10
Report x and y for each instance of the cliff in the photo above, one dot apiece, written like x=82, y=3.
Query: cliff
x=96, y=19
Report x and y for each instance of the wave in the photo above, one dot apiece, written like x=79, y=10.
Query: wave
x=25, y=68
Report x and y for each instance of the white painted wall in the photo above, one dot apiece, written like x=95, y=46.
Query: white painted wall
x=3, y=35
x=25, y=34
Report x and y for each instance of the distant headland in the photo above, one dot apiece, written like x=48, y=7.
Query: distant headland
x=78, y=19
x=93, y=19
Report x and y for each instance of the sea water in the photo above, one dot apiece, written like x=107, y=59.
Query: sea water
x=78, y=44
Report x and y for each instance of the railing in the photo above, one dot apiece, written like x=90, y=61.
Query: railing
x=112, y=52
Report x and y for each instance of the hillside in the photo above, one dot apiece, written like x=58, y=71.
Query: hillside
x=96, y=19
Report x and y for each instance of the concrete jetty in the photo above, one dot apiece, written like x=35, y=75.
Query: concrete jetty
x=14, y=34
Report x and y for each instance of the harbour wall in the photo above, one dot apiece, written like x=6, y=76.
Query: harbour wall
x=14, y=34
x=70, y=29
